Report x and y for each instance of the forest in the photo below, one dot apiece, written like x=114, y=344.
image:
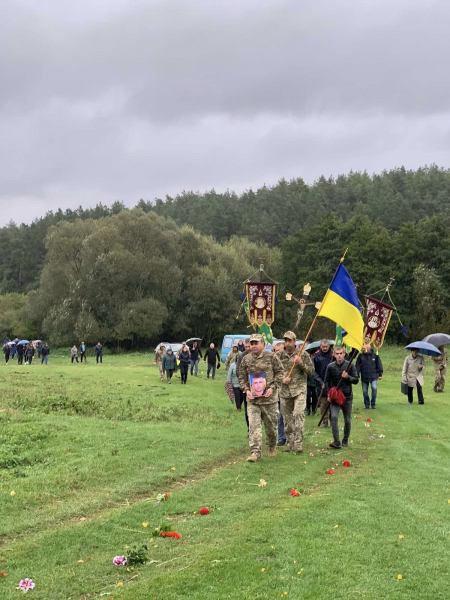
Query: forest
x=175, y=267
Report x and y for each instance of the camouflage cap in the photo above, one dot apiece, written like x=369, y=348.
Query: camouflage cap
x=256, y=337
x=289, y=335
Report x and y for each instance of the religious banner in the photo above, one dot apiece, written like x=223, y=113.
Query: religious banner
x=377, y=321
x=260, y=307
x=261, y=302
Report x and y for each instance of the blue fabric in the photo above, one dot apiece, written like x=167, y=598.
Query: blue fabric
x=281, y=434
x=343, y=285
x=365, y=388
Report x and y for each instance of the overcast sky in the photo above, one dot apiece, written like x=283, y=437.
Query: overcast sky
x=127, y=99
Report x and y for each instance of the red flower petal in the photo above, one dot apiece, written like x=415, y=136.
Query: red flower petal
x=346, y=463
x=294, y=492
x=170, y=534
x=330, y=472
x=204, y=511
x=369, y=420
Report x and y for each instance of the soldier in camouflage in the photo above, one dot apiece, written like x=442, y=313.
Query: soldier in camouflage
x=232, y=356
x=293, y=392
x=159, y=355
x=440, y=369
x=262, y=404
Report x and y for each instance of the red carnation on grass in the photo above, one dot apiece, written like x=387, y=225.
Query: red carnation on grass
x=369, y=420
x=3, y=573
x=330, y=472
x=294, y=492
x=166, y=495
x=204, y=511
x=346, y=463
x=170, y=534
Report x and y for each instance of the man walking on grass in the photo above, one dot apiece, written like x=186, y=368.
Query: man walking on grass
x=211, y=355
x=321, y=360
x=293, y=392
x=343, y=375
x=159, y=355
x=369, y=367
x=260, y=376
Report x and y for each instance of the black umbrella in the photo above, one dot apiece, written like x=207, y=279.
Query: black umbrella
x=437, y=339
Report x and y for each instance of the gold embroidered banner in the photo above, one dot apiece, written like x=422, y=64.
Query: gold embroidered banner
x=377, y=321
x=261, y=302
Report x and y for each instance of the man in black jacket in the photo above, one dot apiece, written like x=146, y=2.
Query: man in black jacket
x=368, y=365
x=212, y=355
x=321, y=360
x=45, y=353
x=343, y=374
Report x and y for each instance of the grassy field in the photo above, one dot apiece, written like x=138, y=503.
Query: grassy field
x=85, y=450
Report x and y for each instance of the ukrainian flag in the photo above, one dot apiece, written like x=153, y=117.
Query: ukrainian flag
x=341, y=306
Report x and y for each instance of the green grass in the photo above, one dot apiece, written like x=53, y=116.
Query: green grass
x=87, y=448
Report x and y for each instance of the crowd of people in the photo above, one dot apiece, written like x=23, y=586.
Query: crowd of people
x=187, y=356
x=321, y=379
x=279, y=387
x=26, y=351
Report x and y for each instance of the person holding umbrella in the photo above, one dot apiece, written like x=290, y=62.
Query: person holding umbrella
x=6, y=351
x=412, y=375
x=413, y=367
x=195, y=356
x=440, y=362
x=440, y=369
x=29, y=353
x=20, y=348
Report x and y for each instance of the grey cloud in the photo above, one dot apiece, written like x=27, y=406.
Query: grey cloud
x=102, y=101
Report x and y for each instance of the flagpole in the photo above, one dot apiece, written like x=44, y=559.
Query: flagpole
x=302, y=346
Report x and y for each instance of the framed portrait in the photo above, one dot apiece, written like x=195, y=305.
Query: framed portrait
x=258, y=384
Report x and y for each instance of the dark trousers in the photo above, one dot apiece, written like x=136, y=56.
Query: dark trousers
x=242, y=401
x=72, y=358
x=281, y=437
x=238, y=397
x=83, y=355
x=334, y=416
x=184, y=368
x=311, y=398
x=419, y=393
x=213, y=367
x=30, y=359
x=19, y=358
x=99, y=357
x=169, y=373
x=6, y=357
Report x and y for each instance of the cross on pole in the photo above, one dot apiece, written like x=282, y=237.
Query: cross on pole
x=302, y=302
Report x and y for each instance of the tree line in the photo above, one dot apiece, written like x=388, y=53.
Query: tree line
x=175, y=268
x=266, y=215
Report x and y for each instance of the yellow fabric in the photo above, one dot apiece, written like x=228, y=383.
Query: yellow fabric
x=335, y=308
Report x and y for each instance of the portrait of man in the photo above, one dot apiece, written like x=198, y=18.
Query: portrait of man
x=258, y=384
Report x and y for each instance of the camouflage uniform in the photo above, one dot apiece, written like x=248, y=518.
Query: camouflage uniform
x=158, y=360
x=293, y=398
x=262, y=408
x=231, y=358
x=440, y=369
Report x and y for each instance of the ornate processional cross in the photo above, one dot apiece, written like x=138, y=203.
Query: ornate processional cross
x=302, y=303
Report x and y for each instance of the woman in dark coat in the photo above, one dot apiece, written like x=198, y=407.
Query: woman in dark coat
x=185, y=358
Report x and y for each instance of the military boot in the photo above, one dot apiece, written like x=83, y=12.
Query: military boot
x=272, y=452
x=252, y=458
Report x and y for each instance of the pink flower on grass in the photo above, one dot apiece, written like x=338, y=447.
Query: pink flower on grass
x=120, y=561
x=26, y=584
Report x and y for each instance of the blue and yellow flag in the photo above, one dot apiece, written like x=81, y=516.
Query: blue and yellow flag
x=341, y=306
